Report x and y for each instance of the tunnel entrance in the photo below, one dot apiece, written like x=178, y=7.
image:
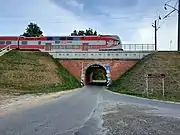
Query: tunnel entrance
x=96, y=75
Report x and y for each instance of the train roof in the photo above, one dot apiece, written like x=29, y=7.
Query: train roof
x=115, y=37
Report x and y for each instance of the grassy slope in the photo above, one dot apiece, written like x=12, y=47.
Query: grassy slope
x=31, y=72
x=133, y=81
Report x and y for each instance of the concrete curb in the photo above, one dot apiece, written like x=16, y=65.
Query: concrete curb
x=155, y=100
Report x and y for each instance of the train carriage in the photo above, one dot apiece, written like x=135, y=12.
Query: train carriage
x=63, y=43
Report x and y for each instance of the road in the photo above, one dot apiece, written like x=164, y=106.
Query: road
x=93, y=110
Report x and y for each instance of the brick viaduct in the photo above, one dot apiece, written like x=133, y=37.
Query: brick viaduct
x=117, y=67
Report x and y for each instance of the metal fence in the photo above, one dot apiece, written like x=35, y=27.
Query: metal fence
x=138, y=47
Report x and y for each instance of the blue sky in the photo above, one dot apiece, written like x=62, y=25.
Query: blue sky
x=130, y=19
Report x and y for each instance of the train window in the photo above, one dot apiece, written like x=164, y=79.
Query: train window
x=49, y=38
x=39, y=42
x=61, y=47
x=2, y=42
x=62, y=38
x=56, y=38
x=24, y=42
x=90, y=46
x=8, y=42
x=57, y=42
x=69, y=38
x=54, y=47
x=76, y=38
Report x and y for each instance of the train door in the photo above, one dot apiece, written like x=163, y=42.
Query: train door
x=47, y=46
x=85, y=47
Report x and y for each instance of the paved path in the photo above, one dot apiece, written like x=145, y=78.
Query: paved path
x=96, y=111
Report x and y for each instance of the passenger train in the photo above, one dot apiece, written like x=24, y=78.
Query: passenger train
x=63, y=43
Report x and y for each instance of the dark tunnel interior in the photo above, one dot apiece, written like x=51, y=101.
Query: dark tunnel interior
x=96, y=75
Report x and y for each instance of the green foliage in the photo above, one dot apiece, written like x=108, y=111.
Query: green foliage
x=87, y=32
x=69, y=80
x=27, y=72
x=33, y=30
x=99, y=75
x=132, y=82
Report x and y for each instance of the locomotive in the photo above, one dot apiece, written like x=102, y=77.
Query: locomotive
x=63, y=43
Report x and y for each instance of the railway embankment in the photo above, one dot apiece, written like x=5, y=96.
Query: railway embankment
x=26, y=72
x=133, y=82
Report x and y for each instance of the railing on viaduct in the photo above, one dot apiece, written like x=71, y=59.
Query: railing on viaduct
x=138, y=47
x=130, y=51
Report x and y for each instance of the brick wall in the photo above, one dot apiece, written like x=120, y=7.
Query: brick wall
x=118, y=67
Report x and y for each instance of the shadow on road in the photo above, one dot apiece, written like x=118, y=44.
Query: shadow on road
x=97, y=84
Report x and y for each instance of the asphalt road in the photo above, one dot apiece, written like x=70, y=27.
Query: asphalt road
x=93, y=110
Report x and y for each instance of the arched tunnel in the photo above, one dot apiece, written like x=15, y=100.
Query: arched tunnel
x=95, y=75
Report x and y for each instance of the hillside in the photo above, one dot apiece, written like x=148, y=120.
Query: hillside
x=133, y=81
x=29, y=72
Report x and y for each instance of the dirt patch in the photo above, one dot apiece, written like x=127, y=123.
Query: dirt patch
x=4, y=97
x=10, y=103
x=49, y=65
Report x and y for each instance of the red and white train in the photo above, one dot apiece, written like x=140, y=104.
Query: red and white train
x=63, y=43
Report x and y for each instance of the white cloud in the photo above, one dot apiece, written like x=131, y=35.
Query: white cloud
x=75, y=4
x=167, y=32
x=53, y=19
x=56, y=20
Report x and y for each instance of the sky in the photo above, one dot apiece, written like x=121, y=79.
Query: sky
x=131, y=20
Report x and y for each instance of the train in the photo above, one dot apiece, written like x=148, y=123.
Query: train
x=63, y=43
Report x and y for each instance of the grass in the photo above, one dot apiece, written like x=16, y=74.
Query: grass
x=133, y=81
x=33, y=72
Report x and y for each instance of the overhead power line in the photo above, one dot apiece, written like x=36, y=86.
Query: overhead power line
x=178, y=10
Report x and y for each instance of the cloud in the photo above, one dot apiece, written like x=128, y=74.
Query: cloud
x=130, y=19
x=52, y=19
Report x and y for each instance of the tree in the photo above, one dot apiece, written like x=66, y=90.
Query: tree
x=74, y=33
x=87, y=32
x=99, y=74
x=81, y=33
x=33, y=30
x=95, y=33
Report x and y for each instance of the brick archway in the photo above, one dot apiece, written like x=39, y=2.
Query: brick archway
x=117, y=67
x=86, y=78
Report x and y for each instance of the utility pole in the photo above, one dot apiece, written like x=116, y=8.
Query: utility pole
x=155, y=27
x=155, y=32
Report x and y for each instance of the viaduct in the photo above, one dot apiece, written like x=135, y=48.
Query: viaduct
x=83, y=65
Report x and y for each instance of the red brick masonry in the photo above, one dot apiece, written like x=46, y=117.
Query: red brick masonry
x=117, y=67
